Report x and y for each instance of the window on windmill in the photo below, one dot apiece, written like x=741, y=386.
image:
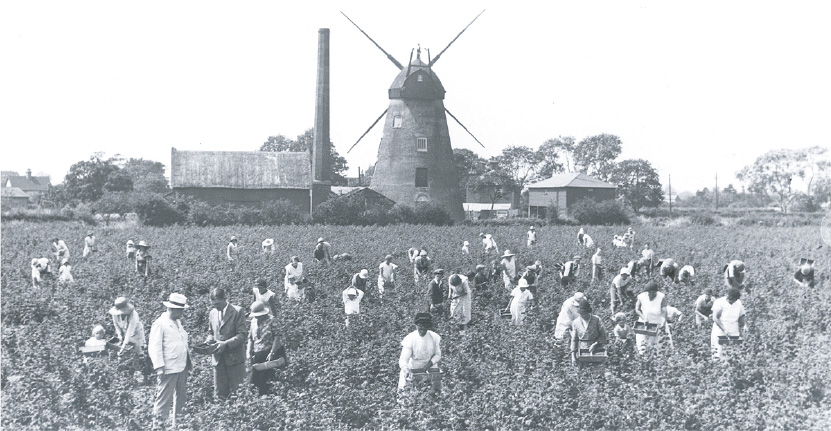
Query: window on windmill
x=420, y=78
x=421, y=144
x=421, y=177
x=396, y=121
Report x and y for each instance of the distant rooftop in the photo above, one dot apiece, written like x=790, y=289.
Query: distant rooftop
x=572, y=180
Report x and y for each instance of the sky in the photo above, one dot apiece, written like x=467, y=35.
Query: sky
x=697, y=88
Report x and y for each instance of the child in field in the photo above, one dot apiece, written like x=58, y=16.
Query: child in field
x=231, y=249
x=131, y=250
x=65, y=276
x=597, y=266
x=532, y=237
x=352, y=302
x=98, y=337
x=622, y=329
x=386, y=275
x=143, y=259
x=465, y=248
x=40, y=270
x=293, y=291
x=89, y=243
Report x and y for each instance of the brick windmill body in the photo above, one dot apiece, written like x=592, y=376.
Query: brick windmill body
x=415, y=158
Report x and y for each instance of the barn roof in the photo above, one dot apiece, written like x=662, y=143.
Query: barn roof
x=571, y=180
x=28, y=184
x=13, y=192
x=240, y=169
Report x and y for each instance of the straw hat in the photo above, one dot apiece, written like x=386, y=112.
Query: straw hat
x=320, y=239
x=130, y=242
x=522, y=283
x=233, y=238
x=363, y=274
x=624, y=271
x=423, y=253
x=176, y=300
x=90, y=233
x=507, y=253
x=258, y=309
x=143, y=244
x=268, y=242
x=121, y=307
x=532, y=228
x=352, y=291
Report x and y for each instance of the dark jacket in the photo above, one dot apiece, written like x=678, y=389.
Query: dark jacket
x=233, y=329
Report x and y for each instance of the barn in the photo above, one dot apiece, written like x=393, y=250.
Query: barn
x=246, y=177
x=563, y=190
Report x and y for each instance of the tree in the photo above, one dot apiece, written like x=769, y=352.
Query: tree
x=305, y=142
x=556, y=156
x=772, y=174
x=519, y=162
x=638, y=183
x=595, y=155
x=88, y=180
x=368, y=174
x=816, y=165
x=146, y=175
x=468, y=165
x=493, y=184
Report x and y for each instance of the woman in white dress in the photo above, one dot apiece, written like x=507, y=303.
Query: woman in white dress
x=651, y=308
x=728, y=319
x=460, y=300
x=521, y=299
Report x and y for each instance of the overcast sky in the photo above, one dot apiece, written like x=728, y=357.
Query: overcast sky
x=698, y=89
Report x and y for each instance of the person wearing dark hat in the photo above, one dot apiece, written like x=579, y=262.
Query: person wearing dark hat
x=420, y=350
x=651, y=308
x=435, y=293
x=587, y=331
x=231, y=249
x=168, y=350
x=264, y=345
x=265, y=295
x=143, y=259
x=509, y=271
x=228, y=330
x=386, y=275
x=89, y=243
x=728, y=319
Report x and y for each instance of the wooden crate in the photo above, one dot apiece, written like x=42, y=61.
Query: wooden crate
x=92, y=350
x=726, y=340
x=650, y=329
x=584, y=357
x=419, y=375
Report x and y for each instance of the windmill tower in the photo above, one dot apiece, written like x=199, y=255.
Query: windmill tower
x=415, y=158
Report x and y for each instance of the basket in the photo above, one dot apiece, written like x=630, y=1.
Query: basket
x=277, y=363
x=726, y=340
x=585, y=357
x=91, y=350
x=650, y=329
x=418, y=375
x=204, y=348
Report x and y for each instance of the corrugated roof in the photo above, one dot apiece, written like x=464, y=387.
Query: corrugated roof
x=13, y=192
x=572, y=180
x=240, y=169
x=33, y=184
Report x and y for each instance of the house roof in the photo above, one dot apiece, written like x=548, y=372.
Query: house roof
x=370, y=194
x=478, y=206
x=571, y=180
x=13, y=192
x=240, y=169
x=33, y=184
x=342, y=190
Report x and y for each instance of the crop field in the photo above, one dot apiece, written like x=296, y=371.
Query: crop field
x=497, y=376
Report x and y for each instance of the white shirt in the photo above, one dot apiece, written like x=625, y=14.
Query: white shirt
x=129, y=329
x=89, y=241
x=352, y=306
x=532, y=235
x=418, y=351
x=168, y=346
x=386, y=271
x=489, y=243
x=521, y=299
x=296, y=272
x=673, y=314
x=648, y=254
x=730, y=314
x=570, y=268
x=264, y=297
x=65, y=274
x=588, y=241
x=231, y=250
x=618, y=281
x=596, y=259
x=651, y=309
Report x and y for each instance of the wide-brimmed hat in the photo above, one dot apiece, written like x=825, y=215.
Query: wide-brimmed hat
x=258, y=309
x=507, y=253
x=233, y=238
x=522, y=283
x=363, y=274
x=268, y=242
x=624, y=271
x=320, y=239
x=142, y=244
x=422, y=253
x=352, y=291
x=439, y=272
x=129, y=241
x=532, y=228
x=121, y=306
x=424, y=318
x=90, y=233
x=176, y=300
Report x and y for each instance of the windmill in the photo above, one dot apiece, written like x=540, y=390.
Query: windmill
x=415, y=159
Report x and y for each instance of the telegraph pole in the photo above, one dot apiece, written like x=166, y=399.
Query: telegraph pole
x=670, y=194
x=716, y=190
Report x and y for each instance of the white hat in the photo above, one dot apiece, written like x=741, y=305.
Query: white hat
x=507, y=253
x=352, y=291
x=121, y=306
x=233, y=238
x=129, y=241
x=34, y=261
x=363, y=274
x=176, y=300
x=579, y=296
x=268, y=242
x=143, y=244
x=423, y=253
x=532, y=227
x=466, y=243
x=624, y=271
x=320, y=239
x=522, y=283
x=258, y=309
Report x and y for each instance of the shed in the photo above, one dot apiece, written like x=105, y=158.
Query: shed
x=563, y=190
x=13, y=197
x=246, y=177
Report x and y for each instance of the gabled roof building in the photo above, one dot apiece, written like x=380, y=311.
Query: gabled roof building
x=563, y=190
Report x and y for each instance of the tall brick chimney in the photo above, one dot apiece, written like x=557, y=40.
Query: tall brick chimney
x=321, y=154
x=29, y=174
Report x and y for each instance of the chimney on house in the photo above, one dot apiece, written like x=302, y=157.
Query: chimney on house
x=29, y=174
x=321, y=154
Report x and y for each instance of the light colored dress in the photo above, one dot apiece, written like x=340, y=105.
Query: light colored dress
x=417, y=352
x=296, y=272
x=129, y=329
x=89, y=244
x=568, y=312
x=65, y=276
x=461, y=306
x=651, y=309
x=519, y=304
x=730, y=314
